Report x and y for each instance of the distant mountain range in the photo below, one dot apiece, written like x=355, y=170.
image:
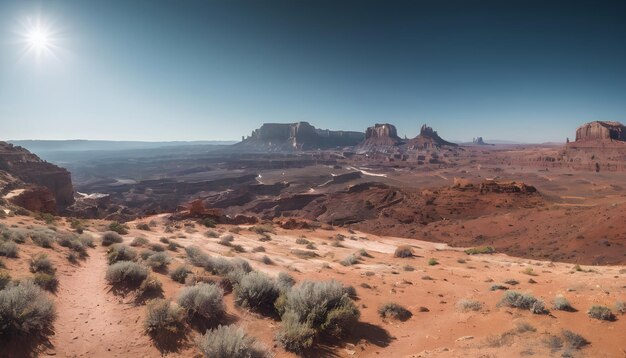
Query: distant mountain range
x=75, y=145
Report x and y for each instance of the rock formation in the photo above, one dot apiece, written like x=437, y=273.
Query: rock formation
x=30, y=172
x=601, y=131
x=478, y=141
x=296, y=136
x=380, y=137
x=428, y=139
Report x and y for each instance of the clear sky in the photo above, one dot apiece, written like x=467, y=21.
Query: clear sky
x=215, y=70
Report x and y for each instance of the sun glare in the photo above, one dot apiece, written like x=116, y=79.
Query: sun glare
x=38, y=38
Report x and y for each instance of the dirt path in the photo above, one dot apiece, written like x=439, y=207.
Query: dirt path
x=93, y=322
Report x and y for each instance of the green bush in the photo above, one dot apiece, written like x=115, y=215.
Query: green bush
x=601, y=312
x=205, y=301
x=230, y=342
x=257, y=291
x=324, y=307
x=25, y=309
x=120, y=252
x=111, y=237
x=126, y=273
x=179, y=274
x=433, y=262
x=523, y=301
x=121, y=229
x=395, y=311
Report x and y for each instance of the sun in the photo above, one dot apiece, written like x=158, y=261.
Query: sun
x=39, y=38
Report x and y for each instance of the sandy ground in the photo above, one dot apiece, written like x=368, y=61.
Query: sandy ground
x=95, y=322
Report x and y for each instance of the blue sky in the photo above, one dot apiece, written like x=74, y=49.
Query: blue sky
x=214, y=70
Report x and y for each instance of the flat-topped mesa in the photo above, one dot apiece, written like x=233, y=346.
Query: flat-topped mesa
x=428, y=139
x=601, y=131
x=297, y=136
x=381, y=136
x=30, y=169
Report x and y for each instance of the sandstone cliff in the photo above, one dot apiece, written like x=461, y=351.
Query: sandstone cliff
x=41, y=180
x=380, y=137
x=296, y=136
x=601, y=131
x=428, y=139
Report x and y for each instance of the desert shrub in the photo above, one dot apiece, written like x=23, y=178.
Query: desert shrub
x=120, y=252
x=258, y=249
x=512, y=282
x=204, y=300
x=5, y=279
x=139, y=241
x=311, y=246
x=574, y=340
x=523, y=301
x=227, y=238
x=229, y=342
x=111, y=237
x=223, y=241
x=263, y=229
x=126, y=273
x=46, y=281
x=601, y=312
x=157, y=247
x=145, y=254
x=164, y=319
x=465, y=305
x=529, y=271
x=121, y=229
x=403, y=251
x=266, y=260
x=8, y=249
x=212, y=234
x=143, y=226
x=498, y=287
x=408, y=268
x=302, y=241
x=197, y=257
x=350, y=260
x=238, y=248
x=314, y=308
x=285, y=281
x=480, y=250
x=72, y=257
x=41, y=263
x=208, y=222
x=172, y=246
x=77, y=225
x=43, y=238
x=17, y=236
x=620, y=307
x=256, y=291
x=562, y=304
x=350, y=291
x=235, y=230
x=304, y=254
x=364, y=253
x=86, y=240
x=158, y=261
x=395, y=311
x=150, y=286
x=179, y=274
x=433, y=262
x=25, y=309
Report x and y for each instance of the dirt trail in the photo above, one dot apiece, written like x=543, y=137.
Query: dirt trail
x=93, y=322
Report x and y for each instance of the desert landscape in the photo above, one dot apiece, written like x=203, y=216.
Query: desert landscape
x=282, y=179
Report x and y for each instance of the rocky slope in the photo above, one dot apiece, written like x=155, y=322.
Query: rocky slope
x=32, y=182
x=428, y=139
x=380, y=138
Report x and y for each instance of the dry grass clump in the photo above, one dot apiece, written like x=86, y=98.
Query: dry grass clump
x=46, y=281
x=43, y=238
x=562, y=304
x=197, y=257
x=139, y=241
x=403, y=251
x=5, y=279
x=111, y=237
x=126, y=273
x=523, y=301
x=120, y=252
x=204, y=301
x=226, y=240
x=25, y=309
x=601, y=312
x=263, y=229
x=179, y=274
x=143, y=226
x=285, y=281
x=304, y=254
x=230, y=342
x=257, y=291
x=480, y=250
x=158, y=261
x=165, y=320
x=352, y=259
x=41, y=263
x=9, y=249
x=119, y=228
x=311, y=309
x=465, y=305
x=395, y=311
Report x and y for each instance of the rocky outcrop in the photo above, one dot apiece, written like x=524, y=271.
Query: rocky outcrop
x=478, y=141
x=30, y=169
x=492, y=186
x=380, y=138
x=601, y=131
x=428, y=139
x=35, y=198
x=296, y=136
